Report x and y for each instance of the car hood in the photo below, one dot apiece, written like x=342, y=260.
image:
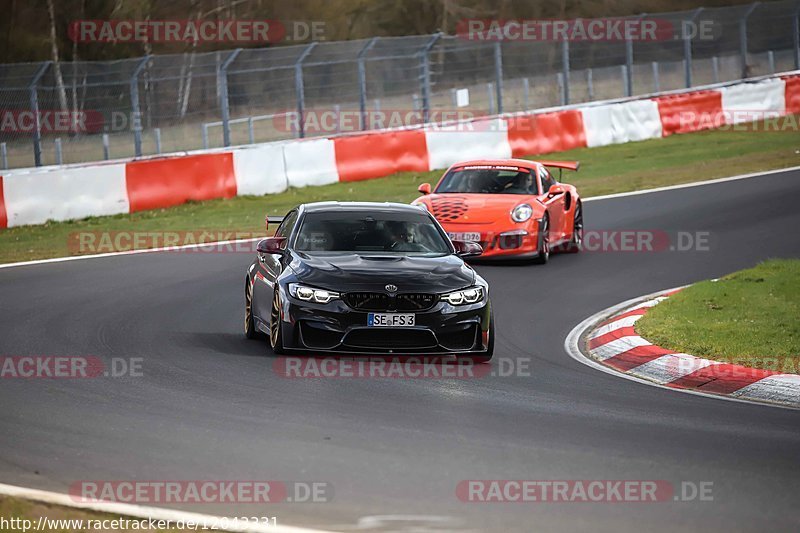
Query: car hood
x=373, y=271
x=476, y=208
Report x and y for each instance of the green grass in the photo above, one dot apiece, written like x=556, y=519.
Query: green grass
x=750, y=317
x=610, y=169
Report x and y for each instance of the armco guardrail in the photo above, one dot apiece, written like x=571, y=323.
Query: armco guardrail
x=34, y=196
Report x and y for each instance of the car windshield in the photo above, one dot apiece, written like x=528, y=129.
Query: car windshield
x=403, y=232
x=489, y=180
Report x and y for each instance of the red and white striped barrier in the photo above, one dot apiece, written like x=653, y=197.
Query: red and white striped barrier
x=36, y=195
x=614, y=343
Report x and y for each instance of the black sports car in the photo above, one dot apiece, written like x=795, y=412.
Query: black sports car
x=374, y=278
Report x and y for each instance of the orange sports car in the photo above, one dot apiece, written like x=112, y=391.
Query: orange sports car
x=514, y=208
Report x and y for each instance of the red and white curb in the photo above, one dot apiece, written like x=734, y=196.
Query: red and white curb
x=607, y=341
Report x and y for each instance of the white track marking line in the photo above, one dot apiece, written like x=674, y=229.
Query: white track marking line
x=572, y=345
x=692, y=184
x=615, y=325
x=784, y=388
x=142, y=512
x=593, y=198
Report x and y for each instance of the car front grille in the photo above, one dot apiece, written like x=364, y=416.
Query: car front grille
x=378, y=301
x=390, y=339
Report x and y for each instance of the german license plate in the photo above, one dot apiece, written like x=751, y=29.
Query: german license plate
x=390, y=320
x=467, y=236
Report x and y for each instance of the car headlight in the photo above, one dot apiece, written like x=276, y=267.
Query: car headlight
x=464, y=296
x=309, y=294
x=521, y=213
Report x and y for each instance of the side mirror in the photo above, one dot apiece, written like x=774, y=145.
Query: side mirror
x=425, y=188
x=272, y=245
x=556, y=189
x=467, y=249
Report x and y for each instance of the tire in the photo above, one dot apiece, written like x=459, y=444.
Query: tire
x=250, y=330
x=275, y=327
x=543, y=248
x=575, y=243
x=486, y=356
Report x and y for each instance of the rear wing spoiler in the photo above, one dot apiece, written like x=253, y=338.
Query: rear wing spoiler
x=568, y=165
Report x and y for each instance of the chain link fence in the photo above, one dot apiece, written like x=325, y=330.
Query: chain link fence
x=89, y=111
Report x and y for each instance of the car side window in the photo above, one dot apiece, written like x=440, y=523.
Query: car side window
x=285, y=229
x=547, y=180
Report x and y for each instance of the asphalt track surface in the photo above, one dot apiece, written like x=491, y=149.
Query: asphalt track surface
x=210, y=406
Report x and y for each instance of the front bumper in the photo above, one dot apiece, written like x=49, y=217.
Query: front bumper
x=517, y=240
x=335, y=327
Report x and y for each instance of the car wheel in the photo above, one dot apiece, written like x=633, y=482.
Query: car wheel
x=486, y=356
x=250, y=330
x=275, y=329
x=575, y=243
x=544, y=242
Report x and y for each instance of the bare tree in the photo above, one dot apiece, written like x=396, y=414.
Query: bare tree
x=62, y=94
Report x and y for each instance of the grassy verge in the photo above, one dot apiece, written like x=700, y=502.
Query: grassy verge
x=749, y=318
x=59, y=517
x=618, y=168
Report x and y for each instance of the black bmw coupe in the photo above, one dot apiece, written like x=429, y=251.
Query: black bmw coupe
x=367, y=278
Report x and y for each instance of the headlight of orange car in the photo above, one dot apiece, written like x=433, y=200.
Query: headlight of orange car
x=521, y=213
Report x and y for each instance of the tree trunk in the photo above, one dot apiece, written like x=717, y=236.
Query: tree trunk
x=61, y=92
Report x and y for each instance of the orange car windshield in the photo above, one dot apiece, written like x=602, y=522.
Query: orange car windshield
x=489, y=181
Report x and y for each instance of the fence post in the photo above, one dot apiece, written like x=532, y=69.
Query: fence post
x=687, y=47
x=59, y=153
x=629, y=60
x=425, y=64
x=362, y=81
x=300, y=90
x=224, y=103
x=656, y=80
x=715, y=68
x=136, y=120
x=796, y=40
x=3, y=156
x=565, y=72
x=498, y=74
x=743, y=37
x=526, y=92
x=106, y=148
x=157, y=132
x=34, y=98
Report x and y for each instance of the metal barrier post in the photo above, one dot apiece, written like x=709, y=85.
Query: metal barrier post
x=106, y=149
x=565, y=72
x=136, y=120
x=629, y=60
x=425, y=64
x=157, y=132
x=796, y=33
x=300, y=90
x=224, y=104
x=362, y=81
x=498, y=74
x=743, y=38
x=3, y=156
x=59, y=154
x=687, y=47
x=34, y=99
